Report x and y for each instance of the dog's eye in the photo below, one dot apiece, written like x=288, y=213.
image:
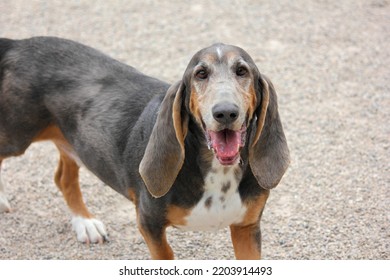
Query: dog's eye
x=202, y=74
x=241, y=71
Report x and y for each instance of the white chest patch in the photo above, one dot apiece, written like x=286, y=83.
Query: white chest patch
x=220, y=205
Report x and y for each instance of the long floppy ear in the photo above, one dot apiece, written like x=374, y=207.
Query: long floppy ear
x=164, y=154
x=269, y=156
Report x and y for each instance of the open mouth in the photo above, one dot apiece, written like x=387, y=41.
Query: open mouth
x=226, y=144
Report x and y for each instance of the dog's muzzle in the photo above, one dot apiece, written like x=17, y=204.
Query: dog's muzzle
x=226, y=144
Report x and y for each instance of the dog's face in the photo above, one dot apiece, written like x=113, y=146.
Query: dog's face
x=224, y=93
x=220, y=81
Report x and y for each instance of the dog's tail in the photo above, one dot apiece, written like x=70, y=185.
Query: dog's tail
x=5, y=46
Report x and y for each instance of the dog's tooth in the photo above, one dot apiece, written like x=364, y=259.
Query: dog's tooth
x=209, y=143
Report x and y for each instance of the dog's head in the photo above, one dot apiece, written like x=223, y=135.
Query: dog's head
x=223, y=91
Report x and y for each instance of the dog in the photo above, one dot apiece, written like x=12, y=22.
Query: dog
x=200, y=154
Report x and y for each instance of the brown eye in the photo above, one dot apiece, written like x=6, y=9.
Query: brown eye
x=202, y=74
x=241, y=71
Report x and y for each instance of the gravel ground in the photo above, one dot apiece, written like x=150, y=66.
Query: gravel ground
x=329, y=61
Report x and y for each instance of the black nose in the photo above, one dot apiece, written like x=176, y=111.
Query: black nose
x=225, y=112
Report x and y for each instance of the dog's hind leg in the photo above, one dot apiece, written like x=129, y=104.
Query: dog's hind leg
x=88, y=229
x=4, y=204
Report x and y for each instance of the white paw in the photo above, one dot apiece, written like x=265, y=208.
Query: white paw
x=89, y=230
x=4, y=204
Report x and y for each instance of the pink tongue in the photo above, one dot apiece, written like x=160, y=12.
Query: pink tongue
x=226, y=143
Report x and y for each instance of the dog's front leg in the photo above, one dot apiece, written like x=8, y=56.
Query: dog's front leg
x=156, y=239
x=246, y=236
x=246, y=242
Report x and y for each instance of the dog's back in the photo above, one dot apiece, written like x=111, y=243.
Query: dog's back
x=88, y=104
x=94, y=100
x=5, y=45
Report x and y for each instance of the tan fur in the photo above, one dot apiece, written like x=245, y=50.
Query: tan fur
x=243, y=235
x=176, y=215
x=67, y=174
x=251, y=100
x=180, y=123
x=263, y=112
x=195, y=106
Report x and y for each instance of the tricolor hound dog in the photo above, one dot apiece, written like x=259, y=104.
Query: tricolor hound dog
x=201, y=154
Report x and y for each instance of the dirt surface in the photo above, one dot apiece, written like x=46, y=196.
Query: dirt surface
x=329, y=61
